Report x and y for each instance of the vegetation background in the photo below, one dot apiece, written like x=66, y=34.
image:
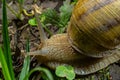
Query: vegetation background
x=24, y=37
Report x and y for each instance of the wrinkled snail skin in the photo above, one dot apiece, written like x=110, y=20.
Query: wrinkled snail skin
x=89, y=65
x=57, y=48
x=60, y=52
x=92, y=39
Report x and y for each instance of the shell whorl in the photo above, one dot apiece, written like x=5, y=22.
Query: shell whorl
x=94, y=27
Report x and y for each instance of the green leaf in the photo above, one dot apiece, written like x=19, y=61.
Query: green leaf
x=6, y=41
x=65, y=13
x=26, y=64
x=66, y=8
x=61, y=30
x=65, y=71
x=5, y=70
x=48, y=74
x=49, y=16
x=32, y=22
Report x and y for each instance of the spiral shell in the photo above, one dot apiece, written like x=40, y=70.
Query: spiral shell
x=94, y=27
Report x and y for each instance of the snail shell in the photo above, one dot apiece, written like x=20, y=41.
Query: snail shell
x=93, y=33
x=94, y=27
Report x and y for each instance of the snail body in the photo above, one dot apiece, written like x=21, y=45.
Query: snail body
x=92, y=39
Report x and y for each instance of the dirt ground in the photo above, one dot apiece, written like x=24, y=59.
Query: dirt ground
x=22, y=29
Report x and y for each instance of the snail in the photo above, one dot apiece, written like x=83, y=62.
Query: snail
x=92, y=39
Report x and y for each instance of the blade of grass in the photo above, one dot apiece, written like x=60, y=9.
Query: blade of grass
x=5, y=70
x=21, y=2
x=13, y=11
x=44, y=70
x=25, y=69
x=6, y=41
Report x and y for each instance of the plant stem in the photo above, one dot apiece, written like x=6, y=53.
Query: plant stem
x=49, y=32
x=20, y=10
x=13, y=11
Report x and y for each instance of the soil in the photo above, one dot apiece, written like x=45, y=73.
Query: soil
x=19, y=31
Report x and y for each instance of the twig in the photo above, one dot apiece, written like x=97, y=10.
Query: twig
x=12, y=10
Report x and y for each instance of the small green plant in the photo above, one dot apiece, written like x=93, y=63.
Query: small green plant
x=32, y=22
x=46, y=74
x=19, y=14
x=51, y=16
x=105, y=74
x=5, y=56
x=5, y=69
x=26, y=64
x=65, y=71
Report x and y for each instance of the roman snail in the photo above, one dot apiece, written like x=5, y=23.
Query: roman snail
x=92, y=39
